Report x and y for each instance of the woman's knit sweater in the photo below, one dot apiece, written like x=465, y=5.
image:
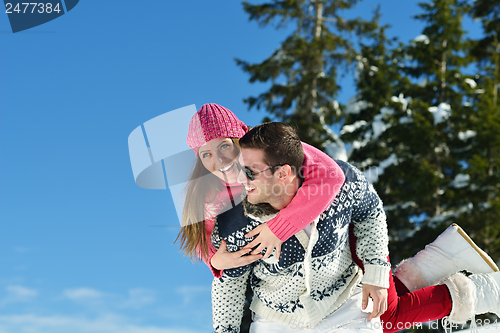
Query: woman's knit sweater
x=315, y=275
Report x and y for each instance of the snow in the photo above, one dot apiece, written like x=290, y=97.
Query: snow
x=422, y=38
x=405, y=120
x=373, y=70
x=423, y=83
x=280, y=55
x=387, y=111
x=471, y=83
x=440, y=112
x=484, y=205
x=466, y=135
x=437, y=219
x=372, y=174
x=379, y=127
x=336, y=150
x=403, y=205
x=365, y=164
x=401, y=99
x=336, y=107
x=358, y=144
x=461, y=180
x=391, y=160
x=404, y=101
x=360, y=65
x=353, y=127
x=354, y=106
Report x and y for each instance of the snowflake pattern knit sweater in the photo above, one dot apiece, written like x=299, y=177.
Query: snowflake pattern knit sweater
x=315, y=275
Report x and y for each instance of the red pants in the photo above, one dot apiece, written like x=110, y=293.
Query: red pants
x=406, y=308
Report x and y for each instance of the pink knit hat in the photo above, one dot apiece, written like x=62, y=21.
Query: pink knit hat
x=213, y=121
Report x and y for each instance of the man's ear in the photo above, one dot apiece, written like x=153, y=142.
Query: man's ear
x=285, y=172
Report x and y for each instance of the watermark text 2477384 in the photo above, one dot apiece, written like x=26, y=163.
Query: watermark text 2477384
x=25, y=15
x=23, y=7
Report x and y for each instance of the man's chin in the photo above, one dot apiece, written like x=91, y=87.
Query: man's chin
x=259, y=209
x=256, y=201
x=252, y=201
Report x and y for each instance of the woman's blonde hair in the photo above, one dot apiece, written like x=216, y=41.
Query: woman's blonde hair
x=202, y=188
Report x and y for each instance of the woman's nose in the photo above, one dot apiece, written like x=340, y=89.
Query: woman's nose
x=218, y=159
x=221, y=159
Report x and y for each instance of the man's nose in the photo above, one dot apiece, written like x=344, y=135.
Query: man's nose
x=242, y=178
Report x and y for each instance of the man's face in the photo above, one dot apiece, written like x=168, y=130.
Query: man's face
x=264, y=188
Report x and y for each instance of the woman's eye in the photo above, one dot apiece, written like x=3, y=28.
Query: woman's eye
x=205, y=155
x=224, y=146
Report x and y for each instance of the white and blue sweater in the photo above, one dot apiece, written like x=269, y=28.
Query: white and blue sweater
x=315, y=275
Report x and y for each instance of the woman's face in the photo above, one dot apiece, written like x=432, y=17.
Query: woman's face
x=219, y=156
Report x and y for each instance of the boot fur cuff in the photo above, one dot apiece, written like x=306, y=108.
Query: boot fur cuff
x=463, y=295
x=408, y=273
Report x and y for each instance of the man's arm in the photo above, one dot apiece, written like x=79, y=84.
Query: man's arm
x=228, y=292
x=372, y=240
x=372, y=249
x=370, y=228
x=228, y=299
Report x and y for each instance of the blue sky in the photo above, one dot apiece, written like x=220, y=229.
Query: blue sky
x=80, y=250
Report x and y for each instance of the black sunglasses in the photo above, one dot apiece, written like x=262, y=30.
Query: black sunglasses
x=251, y=175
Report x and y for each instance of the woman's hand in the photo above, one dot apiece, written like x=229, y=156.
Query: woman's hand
x=223, y=259
x=265, y=239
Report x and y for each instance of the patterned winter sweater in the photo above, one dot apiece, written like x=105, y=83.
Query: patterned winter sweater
x=315, y=275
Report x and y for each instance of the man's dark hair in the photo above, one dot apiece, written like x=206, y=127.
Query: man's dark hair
x=280, y=143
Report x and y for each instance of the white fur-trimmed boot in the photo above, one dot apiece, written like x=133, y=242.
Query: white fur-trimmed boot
x=473, y=295
x=451, y=252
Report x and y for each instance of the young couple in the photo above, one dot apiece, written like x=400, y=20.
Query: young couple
x=317, y=230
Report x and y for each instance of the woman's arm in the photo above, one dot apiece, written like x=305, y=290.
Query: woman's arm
x=220, y=259
x=209, y=226
x=322, y=181
x=223, y=259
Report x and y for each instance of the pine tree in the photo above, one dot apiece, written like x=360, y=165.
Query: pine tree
x=375, y=120
x=412, y=99
x=304, y=69
x=483, y=136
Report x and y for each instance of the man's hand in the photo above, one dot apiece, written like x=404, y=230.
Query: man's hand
x=223, y=259
x=379, y=297
x=266, y=239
